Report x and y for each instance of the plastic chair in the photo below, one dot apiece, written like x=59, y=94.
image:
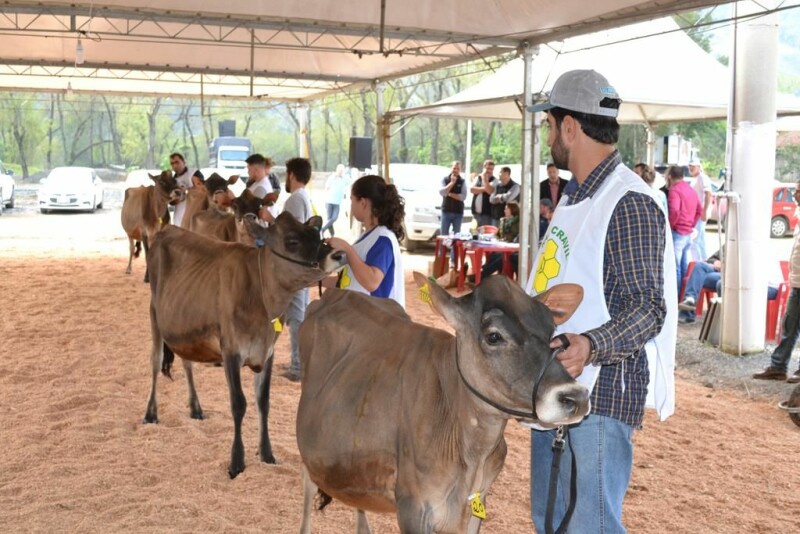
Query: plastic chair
x=487, y=229
x=705, y=295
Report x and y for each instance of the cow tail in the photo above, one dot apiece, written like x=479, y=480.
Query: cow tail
x=166, y=362
x=137, y=249
x=323, y=499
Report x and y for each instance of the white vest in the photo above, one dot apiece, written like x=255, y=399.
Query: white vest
x=572, y=251
x=184, y=180
x=362, y=247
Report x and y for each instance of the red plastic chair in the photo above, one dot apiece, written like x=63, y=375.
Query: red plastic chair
x=777, y=307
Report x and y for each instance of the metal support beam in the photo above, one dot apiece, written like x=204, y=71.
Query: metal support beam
x=529, y=190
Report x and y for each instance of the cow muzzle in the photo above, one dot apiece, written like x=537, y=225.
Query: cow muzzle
x=174, y=196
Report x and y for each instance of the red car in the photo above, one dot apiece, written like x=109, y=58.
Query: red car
x=784, y=217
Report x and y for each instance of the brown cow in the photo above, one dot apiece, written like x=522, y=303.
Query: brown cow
x=213, y=301
x=145, y=212
x=398, y=417
x=227, y=226
x=213, y=191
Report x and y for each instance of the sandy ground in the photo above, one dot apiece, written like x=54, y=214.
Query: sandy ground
x=76, y=457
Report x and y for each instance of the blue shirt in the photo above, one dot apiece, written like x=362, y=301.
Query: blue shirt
x=382, y=257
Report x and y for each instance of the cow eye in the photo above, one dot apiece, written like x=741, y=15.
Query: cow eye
x=292, y=243
x=494, y=338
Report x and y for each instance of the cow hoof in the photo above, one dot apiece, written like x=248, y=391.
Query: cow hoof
x=198, y=415
x=150, y=419
x=270, y=459
x=233, y=472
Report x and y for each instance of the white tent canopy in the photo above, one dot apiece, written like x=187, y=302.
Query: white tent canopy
x=661, y=74
x=277, y=50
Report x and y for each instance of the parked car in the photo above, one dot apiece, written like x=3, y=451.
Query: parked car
x=140, y=177
x=8, y=188
x=419, y=186
x=784, y=218
x=71, y=188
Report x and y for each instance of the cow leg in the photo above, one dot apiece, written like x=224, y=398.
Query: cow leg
x=309, y=492
x=238, y=409
x=131, y=252
x=196, y=412
x=413, y=517
x=156, y=354
x=262, y=383
x=146, y=245
x=362, y=525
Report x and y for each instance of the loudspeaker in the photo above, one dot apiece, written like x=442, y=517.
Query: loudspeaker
x=361, y=152
x=227, y=128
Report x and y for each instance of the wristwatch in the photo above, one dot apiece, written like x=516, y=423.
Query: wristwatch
x=592, y=351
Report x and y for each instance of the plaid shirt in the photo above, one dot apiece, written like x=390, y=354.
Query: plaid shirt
x=633, y=285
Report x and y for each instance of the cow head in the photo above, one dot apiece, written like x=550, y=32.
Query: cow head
x=167, y=186
x=218, y=192
x=503, y=337
x=298, y=248
x=246, y=206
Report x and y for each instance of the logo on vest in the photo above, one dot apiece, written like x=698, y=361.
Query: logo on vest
x=548, y=267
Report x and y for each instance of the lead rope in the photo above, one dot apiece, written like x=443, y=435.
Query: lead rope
x=562, y=435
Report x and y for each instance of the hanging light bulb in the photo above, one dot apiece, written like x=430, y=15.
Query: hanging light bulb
x=79, y=52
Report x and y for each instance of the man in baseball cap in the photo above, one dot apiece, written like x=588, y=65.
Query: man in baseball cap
x=612, y=238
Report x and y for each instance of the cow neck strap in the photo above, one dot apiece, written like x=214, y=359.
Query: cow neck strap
x=511, y=411
x=313, y=264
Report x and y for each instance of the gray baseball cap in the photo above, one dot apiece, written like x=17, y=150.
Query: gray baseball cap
x=584, y=91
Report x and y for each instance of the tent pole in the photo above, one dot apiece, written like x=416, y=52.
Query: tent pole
x=753, y=110
x=302, y=119
x=468, y=158
x=529, y=190
x=383, y=161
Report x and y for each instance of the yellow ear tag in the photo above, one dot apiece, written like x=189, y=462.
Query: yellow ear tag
x=160, y=220
x=478, y=509
x=276, y=324
x=425, y=293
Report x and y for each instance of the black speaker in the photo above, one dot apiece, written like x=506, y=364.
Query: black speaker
x=227, y=128
x=361, y=152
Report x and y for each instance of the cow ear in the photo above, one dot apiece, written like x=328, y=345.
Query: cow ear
x=233, y=179
x=315, y=221
x=439, y=299
x=562, y=299
x=257, y=232
x=154, y=177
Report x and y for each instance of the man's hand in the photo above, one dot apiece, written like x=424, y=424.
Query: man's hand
x=574, y=358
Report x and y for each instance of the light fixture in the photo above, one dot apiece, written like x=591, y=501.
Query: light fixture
x=79, y=52
x=69, y=89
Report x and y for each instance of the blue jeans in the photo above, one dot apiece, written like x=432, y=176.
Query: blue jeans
x=333, y=214
x=700, y=240
x=603, y=449
x=451, y=219
x=683, y=244
x=483, y=220
x=295, y=314
x=789, y=334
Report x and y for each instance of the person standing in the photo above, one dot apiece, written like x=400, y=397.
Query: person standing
x=298, y=174
x=184, y=176
x=649, y=176
x=454, y=192
x=260, y=185
x=481, y=190
x=684, y=212
x=335, y=190
x=553, y=187
x=504, y=190
x=790, y=333
x=610, y=237
x=702, y=187
x=374, y=264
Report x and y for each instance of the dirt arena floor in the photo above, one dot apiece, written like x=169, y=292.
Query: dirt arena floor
x=75, y=456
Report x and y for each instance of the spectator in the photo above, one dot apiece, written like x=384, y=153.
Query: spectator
x=298, y=174
x=779, y=363
x=508, y=231
x=481, y=190
x=684, y=212
x=701, y=186
x=335, y=190
x=649, y=176
x=454, y=191
x=259, y=184
x=545, y=215
x=554, y=186
x=504, y=190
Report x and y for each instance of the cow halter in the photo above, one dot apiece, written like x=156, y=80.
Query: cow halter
x=511, y=411
x=313, y=264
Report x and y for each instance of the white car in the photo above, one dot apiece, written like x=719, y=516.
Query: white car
x=8, y=188
x=419, y=185
x=71, y=188
x=140, y=177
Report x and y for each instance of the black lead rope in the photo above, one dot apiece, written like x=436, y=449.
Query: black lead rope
x=562, y=436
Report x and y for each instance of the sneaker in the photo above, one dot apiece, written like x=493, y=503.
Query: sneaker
x=687, y=304
x=685, y=320
x=770, y=374
x=794, y=378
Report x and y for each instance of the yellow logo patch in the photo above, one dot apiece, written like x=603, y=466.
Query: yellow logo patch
x=548, y=267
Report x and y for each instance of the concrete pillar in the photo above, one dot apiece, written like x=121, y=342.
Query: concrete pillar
x=302, y=119
x=752, y=115
x=529, y=190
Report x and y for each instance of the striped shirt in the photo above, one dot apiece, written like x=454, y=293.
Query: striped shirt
x=633, y=286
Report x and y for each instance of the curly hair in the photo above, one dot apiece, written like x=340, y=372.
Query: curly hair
x=387, y=204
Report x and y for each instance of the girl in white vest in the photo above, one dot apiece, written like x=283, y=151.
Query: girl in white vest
x=374, y=265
